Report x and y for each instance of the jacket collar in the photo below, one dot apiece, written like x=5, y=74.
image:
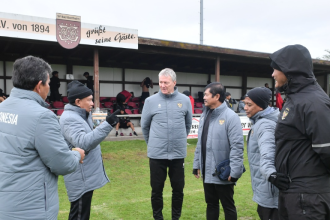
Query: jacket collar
x=263, y=114
x=82, y=112
x=28, y=94
x=169, y=95
x=217, y=110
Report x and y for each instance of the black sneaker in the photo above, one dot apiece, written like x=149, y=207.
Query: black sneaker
x=135, y=133
x=116, y=133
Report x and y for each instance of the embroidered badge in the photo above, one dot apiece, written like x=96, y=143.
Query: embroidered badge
x=285, y=113
x=251, y=132
x=221, y=122
x=180, y=105
x=159, y=105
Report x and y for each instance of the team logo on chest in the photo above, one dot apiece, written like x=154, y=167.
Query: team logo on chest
x=221, y=122
x=285, y=113
x=159, y=105
x=179, y=105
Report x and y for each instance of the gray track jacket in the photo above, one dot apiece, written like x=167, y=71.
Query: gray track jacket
x=261, y=154
x=33, y=153
x=224, y=141
x=166, y=121
x=77, y=130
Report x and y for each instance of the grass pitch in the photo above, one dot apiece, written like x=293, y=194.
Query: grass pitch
x=127, y=196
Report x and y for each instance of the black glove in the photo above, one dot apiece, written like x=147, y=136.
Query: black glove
x=195, y=172
x=234, y=180
x=280, y=180
x=113, y=119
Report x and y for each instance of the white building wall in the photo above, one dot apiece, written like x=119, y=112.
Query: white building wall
x=9, y=68
x=320, y=80
x=259, y=82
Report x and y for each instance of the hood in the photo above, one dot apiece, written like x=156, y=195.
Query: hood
x=269, y=113
x=296, y=63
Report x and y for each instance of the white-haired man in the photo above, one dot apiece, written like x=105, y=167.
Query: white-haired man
x=166, y=121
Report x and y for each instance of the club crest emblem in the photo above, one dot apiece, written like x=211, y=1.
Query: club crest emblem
x=285, y=113
x=251, y=132
x=221, y=122
x=180, y=105
x=159, y=105
x=68, y=30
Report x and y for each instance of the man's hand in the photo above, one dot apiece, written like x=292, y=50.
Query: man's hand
x=197, y=173
x=113, y=119
x=280, y=180
x=232, y=179
x=82, y=154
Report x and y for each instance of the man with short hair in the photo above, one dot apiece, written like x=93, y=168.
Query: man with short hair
x=230, y=102
x=302, y=156
x=33, y=150
x=77, y=128
x=220, y=138
x=166, y=121
x=261, y=151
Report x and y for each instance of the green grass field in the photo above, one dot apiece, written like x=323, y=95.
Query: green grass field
x=127, y=196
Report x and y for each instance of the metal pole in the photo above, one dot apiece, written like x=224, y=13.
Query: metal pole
x=201, y=21
x=96, y=80
x=217, y=69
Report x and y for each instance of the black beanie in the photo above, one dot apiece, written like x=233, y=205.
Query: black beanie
x=260, y=96
x=77, y=90
x=275, y=66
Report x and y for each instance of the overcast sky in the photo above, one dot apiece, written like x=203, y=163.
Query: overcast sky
x=256, y=25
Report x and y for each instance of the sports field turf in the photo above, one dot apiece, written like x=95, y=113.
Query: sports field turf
x=127, y=196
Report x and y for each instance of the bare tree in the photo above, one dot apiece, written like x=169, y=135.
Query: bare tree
x=327, y=56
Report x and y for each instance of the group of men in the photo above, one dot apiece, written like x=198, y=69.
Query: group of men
x=288, y=152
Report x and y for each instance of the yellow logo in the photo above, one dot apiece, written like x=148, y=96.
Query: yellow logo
x=221, y=122
x=180, y=105
x=285, y=113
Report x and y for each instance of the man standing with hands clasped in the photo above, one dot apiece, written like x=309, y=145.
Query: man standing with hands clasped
x=261, y=150
x=77, y=129
x=220, y=138
x=166, y=121
x=302, y=157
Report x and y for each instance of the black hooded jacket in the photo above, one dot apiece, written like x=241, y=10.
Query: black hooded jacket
x=303, y=130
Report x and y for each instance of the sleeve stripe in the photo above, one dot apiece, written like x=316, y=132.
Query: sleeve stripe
x=321, y=145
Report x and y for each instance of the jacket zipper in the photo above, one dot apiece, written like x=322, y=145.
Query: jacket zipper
x=302, y=201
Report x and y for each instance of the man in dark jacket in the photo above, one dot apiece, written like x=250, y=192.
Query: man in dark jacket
x=89, y=81
x=33, y=150
x=302, y=156
x=54, y=86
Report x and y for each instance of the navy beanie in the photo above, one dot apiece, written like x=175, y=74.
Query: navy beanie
x=77, y=90
x=260, y=96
